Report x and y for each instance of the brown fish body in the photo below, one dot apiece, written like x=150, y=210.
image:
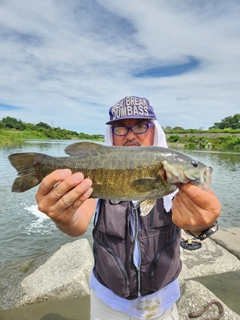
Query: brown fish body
x=117, y=173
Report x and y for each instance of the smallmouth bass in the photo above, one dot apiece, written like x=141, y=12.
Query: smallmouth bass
x=117, y=173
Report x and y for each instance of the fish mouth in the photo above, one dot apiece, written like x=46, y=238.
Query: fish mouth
x=178, y=175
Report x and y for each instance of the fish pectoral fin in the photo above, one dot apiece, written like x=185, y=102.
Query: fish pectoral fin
x=146, y=206
x=78, y=148
x=146, y=184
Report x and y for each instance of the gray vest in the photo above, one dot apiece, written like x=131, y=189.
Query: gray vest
x=113, y=249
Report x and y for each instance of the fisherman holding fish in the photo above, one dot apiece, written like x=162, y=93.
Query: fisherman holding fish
x=136, y=241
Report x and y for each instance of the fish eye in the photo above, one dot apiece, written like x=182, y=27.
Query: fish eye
x=194, y=163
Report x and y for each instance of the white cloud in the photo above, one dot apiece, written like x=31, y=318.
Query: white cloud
x=67, y=62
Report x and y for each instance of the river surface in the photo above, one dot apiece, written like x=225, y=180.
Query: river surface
x=26, y=233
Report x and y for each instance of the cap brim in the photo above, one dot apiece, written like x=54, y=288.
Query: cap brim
x=136, y=118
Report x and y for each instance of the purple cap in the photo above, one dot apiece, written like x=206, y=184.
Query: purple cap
x=131, y=108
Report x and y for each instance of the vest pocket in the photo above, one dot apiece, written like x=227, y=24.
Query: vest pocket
x=113, y=221
x=117, y=280
x=166, y=262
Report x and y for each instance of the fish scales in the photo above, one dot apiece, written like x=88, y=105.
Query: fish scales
x=117, y=173
x=110, y=172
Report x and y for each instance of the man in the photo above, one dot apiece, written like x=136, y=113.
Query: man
x=137, y=258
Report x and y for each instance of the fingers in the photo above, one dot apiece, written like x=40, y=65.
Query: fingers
x=68, y=194
x=201, y=198
x=61, y=202
x=195, y=208
x=49, y=181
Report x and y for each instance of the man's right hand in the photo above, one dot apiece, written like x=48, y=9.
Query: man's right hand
x=61, y=195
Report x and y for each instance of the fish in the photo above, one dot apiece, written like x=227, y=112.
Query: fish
x=118, y=173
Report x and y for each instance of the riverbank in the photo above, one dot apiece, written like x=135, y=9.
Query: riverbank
x=205, y=140
x=219, y=140
x=13, y=137
x=45, y=293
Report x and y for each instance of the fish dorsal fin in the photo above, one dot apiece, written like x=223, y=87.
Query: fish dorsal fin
x=146, y=206
x=77, y=148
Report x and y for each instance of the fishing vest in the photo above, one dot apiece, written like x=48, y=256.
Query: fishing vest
x=113, y=248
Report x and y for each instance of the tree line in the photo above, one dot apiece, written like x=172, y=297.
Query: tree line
x=13, y=130
x=46, y=130
x=230, y=122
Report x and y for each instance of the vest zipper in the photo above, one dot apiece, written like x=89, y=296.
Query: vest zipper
x=116, y=258
x=136, y=240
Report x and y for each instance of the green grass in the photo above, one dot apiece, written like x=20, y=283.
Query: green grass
x=221, y=140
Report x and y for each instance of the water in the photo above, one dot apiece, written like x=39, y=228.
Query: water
x=26, y=233
x=68, y=309
x=230, y=282
x=225, y=182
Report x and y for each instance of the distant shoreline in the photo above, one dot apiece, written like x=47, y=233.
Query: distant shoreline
x=176, y=140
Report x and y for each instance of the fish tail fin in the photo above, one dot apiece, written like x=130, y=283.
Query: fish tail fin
x=25, y=164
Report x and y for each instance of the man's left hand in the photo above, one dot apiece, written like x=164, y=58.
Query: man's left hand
x=195, y=209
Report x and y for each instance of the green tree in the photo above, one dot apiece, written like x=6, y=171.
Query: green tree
x=177, y=128
x=232, y=122
x=12, y=123
x=168, y=128
x=9, y=122
x=43, y=125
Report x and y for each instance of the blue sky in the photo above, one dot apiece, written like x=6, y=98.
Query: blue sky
x=66, y=62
